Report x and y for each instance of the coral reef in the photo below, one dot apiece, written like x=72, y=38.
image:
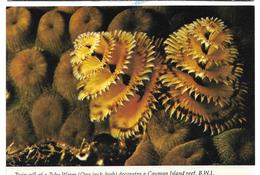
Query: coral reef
x=64, y=81
x=85, y=19
x=117, y=74
x=47, y=116
x=18, y=28
x=28, y=71
x=235, y=147
x=52, y=33
x=203, y=76
x=118, y=62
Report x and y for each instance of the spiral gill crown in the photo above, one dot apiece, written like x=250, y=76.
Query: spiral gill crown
x=203, y=76
x=112, y=69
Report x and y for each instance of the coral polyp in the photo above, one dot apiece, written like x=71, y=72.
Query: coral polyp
x=52, y=33
x=111, y=68
x=76, y=128
x=85, y=19
x=64, y=81
x=203, y=76
x=18, y=28
x=28, y=70
x=18, y=127
x=47, y=116
x=139, y=20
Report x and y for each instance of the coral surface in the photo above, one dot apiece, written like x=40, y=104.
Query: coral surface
x=28, y=71
x=18, y=28
x=85, y=19
x=52, y=33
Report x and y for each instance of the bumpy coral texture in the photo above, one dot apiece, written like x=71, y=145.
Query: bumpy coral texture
x=203, y=76
x=139, y=20
x=67, y=9
x=85, y=19
x=28, y=71
x=74, y=129
x=52, y=34
x=18, y=28
x=112, y=68
x=235, y=146
x=47, y=116
x=64, y=81
x=169, y=142
x=18, y=127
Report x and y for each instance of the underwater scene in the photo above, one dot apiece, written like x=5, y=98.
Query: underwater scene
x=164, y=85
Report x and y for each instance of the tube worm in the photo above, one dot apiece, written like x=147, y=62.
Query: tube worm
x=120, y=63
x=203, y=76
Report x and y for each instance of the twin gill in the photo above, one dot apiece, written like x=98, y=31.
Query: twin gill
x=120, y=71
x=203, y=76
x=116, y=71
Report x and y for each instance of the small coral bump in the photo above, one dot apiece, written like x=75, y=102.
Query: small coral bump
x=28, y=70
x=52, y=33
x=47, y=116
x=18, y=28
x=85, y=19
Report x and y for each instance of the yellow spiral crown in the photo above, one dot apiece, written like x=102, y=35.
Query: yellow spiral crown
x=116, y=70
x=203, y=76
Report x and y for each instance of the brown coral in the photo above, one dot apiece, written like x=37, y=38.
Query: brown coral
x=18, y=127
x=170, y=142
x=18, y=28
x=203, y=76
x=67, y=9
x=138, y=20
x=51, y=33
x=165, y=137
x=235, y=146
x=144, y=154
x=76, y=128
x=85, y=19
x=28, y=70
x=189, y=153
x=47, y=116
x=64, y=81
